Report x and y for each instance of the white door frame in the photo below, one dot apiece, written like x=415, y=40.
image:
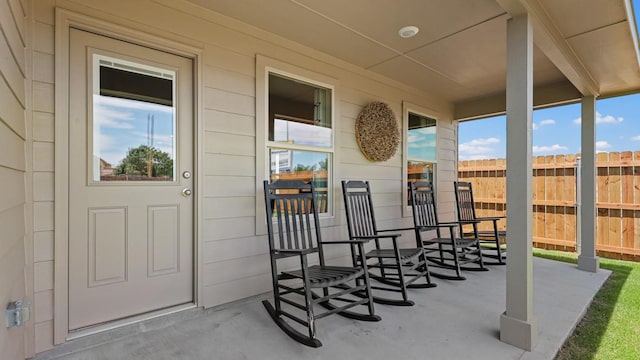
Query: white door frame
x=65, y=20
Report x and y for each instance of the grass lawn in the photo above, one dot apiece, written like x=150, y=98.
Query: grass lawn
x=611, y=327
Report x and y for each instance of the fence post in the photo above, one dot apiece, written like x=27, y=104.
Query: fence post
x=578, y=204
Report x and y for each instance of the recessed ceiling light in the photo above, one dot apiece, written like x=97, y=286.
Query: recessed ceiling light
x=408, y=31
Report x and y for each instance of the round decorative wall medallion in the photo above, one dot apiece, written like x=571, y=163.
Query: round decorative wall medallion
x=377, y=132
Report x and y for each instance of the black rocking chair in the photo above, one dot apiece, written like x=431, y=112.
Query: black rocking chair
x=291, y=208
x=493, y=242
x=446, y=251
x=397, y=268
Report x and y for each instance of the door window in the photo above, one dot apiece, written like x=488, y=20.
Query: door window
x=134, y=121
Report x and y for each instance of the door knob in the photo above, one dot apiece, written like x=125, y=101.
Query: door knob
x=186, y=192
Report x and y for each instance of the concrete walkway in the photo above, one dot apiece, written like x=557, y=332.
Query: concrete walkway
x=456, y=320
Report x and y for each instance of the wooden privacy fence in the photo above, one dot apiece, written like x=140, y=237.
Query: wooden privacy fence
x=554, y=200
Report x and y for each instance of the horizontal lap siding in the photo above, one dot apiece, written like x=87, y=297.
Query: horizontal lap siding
x=235, y=260
x=42, y=160
x=447, y=171
x=13, y=136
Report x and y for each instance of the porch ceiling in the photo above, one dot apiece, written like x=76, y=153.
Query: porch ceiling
x=459, y=54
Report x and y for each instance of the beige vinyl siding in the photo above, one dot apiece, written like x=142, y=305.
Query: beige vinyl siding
x=42, y=160
x=13, y=196
x=235, y=263
x=385, y=178
x=447, y=170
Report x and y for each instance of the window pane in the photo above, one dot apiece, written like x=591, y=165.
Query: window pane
x=299, y=113
x=419, y=171
x=421, y=139
x=302, y=165
x=134, y=121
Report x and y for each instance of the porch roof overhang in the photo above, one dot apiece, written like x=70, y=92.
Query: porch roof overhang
x=582, y=47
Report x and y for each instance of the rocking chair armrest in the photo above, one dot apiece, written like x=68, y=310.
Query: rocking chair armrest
x=491, y=218
x=439, y=225
x=295, y=251
x=400, y=229
x=347, y=242
x=373, y=237
x=466, y=222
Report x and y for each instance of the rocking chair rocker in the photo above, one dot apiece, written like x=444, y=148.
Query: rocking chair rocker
x=398, y=268
x=446, y=251
x=493, y=242
x=291, y=208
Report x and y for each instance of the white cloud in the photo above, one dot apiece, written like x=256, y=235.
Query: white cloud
x=545, y=122
x=413, y=138
x=114, y=119
x=635, y=138
x=476, y=157
x=116, y=113
x=548, y=149
x=423, y=144
x=131, y=104
x=300, y=133
x=483, y=141
x=426, y=131
x=106, y=141
x=481, y=148
x=607, y=119
x=602, y=145
x=158, y=139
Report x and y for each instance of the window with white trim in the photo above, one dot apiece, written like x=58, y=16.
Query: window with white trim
x=300, y=134
x=421, y=149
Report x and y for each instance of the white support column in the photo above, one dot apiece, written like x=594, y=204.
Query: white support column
x=518, y=326
x=587, y=260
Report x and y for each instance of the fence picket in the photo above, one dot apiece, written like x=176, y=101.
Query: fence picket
x=554, y=199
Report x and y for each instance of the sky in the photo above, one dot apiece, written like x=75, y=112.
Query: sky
x=557, y=130
x=122, y=124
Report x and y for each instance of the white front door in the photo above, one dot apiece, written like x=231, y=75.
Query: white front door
x=130, y=180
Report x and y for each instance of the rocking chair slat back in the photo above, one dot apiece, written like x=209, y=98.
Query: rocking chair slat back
x=357, y=200
x=424, y=209
x=294, y=215
x=464, y=198
x=292, y=209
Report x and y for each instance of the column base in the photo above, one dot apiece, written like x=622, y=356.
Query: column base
x=588, y=263
x=519, y=333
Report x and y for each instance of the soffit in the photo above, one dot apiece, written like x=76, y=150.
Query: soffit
x=574, y=17
x=599, y=33
x=604, y=49
x=460, y=52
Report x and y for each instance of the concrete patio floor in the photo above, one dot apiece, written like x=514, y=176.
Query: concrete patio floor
x=456, y=320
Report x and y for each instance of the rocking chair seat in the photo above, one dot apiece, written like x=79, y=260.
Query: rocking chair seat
x=325, y=276
x=405, y=254
x=446, y=252
x=393, y=266
x=459, y=243
x=494, y=241
x=292, y=208
x=483, y=234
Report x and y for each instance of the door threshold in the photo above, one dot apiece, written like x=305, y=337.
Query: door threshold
x=99, y=328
